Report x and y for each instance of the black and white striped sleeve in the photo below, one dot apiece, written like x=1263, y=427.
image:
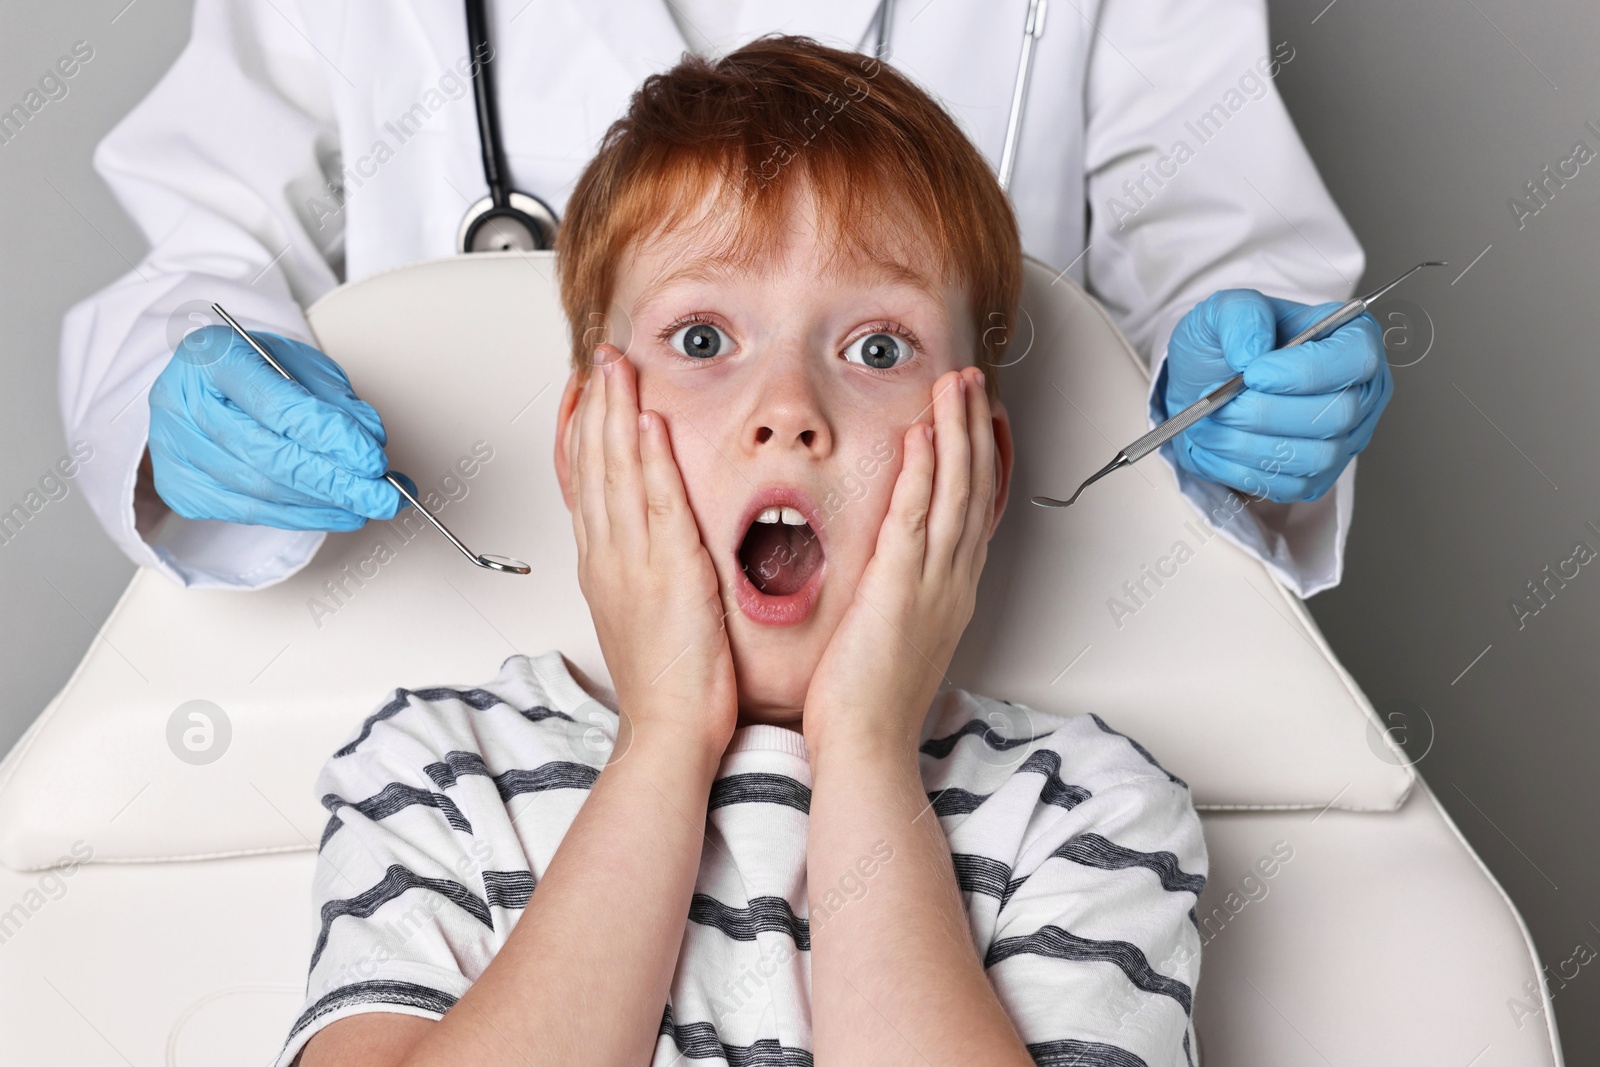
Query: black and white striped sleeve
x=1080, y=860
x=1095, y=943
x=420, y=872
x=393, y=883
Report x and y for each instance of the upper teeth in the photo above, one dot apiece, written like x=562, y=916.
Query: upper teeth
x=788, y=516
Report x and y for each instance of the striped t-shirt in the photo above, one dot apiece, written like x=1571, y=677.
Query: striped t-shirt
x=1079, y=857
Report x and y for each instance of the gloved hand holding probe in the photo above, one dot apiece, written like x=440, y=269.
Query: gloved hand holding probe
x=231, y=439
x=1304, y=412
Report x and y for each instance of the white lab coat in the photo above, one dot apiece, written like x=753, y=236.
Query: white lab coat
x=226, y=167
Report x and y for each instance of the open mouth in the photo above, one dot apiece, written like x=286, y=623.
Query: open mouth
x=780, y=551
x=781, y=559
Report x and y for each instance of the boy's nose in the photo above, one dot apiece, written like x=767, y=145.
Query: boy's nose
x=788, y=415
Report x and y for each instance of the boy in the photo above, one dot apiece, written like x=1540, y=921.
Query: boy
x=781, y=837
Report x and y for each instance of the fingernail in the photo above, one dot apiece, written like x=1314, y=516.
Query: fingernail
x=979, y=379
x=605, y=368
x=644, y=421
x=927, y=433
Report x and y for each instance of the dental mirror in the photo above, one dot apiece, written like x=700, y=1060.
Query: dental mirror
x=491, y=562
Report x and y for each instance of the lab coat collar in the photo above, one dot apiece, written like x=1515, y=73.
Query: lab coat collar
x=840, y=23
x=641, y=35
x=646, y=39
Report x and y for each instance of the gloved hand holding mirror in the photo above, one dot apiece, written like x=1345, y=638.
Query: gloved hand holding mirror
x=255, y=439
x=232, y=439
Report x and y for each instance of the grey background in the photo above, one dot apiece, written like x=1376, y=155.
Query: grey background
x=62, y=236
x=1424, y=119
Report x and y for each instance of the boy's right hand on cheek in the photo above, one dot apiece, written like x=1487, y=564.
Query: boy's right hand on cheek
x=651, y=586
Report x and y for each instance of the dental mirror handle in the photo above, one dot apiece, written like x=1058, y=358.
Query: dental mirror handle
x=495, y=563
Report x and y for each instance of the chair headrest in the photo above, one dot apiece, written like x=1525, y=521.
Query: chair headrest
x=1218, y=671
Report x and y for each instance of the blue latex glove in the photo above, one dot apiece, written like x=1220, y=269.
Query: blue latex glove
x=1304, y=412
x=231, y=439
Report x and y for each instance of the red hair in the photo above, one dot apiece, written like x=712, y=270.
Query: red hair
x=780, y=118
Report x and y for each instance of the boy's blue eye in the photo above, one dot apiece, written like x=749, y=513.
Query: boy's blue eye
x=880, y=351
x=700, y=339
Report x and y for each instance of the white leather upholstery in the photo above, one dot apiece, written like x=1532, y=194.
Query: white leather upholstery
x=191, y=964
x=1221, y=673
x=1381, y=943
x=1384, y=941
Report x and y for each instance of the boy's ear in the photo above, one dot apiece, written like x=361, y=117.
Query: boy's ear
x=564, y=432
x=1004, y=456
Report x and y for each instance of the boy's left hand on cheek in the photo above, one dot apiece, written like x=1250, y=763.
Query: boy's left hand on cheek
x=885, y=662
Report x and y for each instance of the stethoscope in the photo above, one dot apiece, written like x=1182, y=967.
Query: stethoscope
x=508, y=220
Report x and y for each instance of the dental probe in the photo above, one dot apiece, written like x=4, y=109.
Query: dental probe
x=495, y=563
x=1225, y=392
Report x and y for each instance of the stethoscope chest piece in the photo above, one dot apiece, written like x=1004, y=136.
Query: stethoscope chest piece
x=524, y=224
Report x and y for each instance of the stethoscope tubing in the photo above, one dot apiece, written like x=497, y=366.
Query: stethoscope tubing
x=490, y=144
x=492, y=147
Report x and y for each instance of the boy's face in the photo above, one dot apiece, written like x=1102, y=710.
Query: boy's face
x=786, y=390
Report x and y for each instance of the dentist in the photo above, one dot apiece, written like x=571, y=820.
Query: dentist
x=294, y=146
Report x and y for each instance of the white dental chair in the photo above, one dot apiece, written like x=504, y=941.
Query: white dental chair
x=1377, y=938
